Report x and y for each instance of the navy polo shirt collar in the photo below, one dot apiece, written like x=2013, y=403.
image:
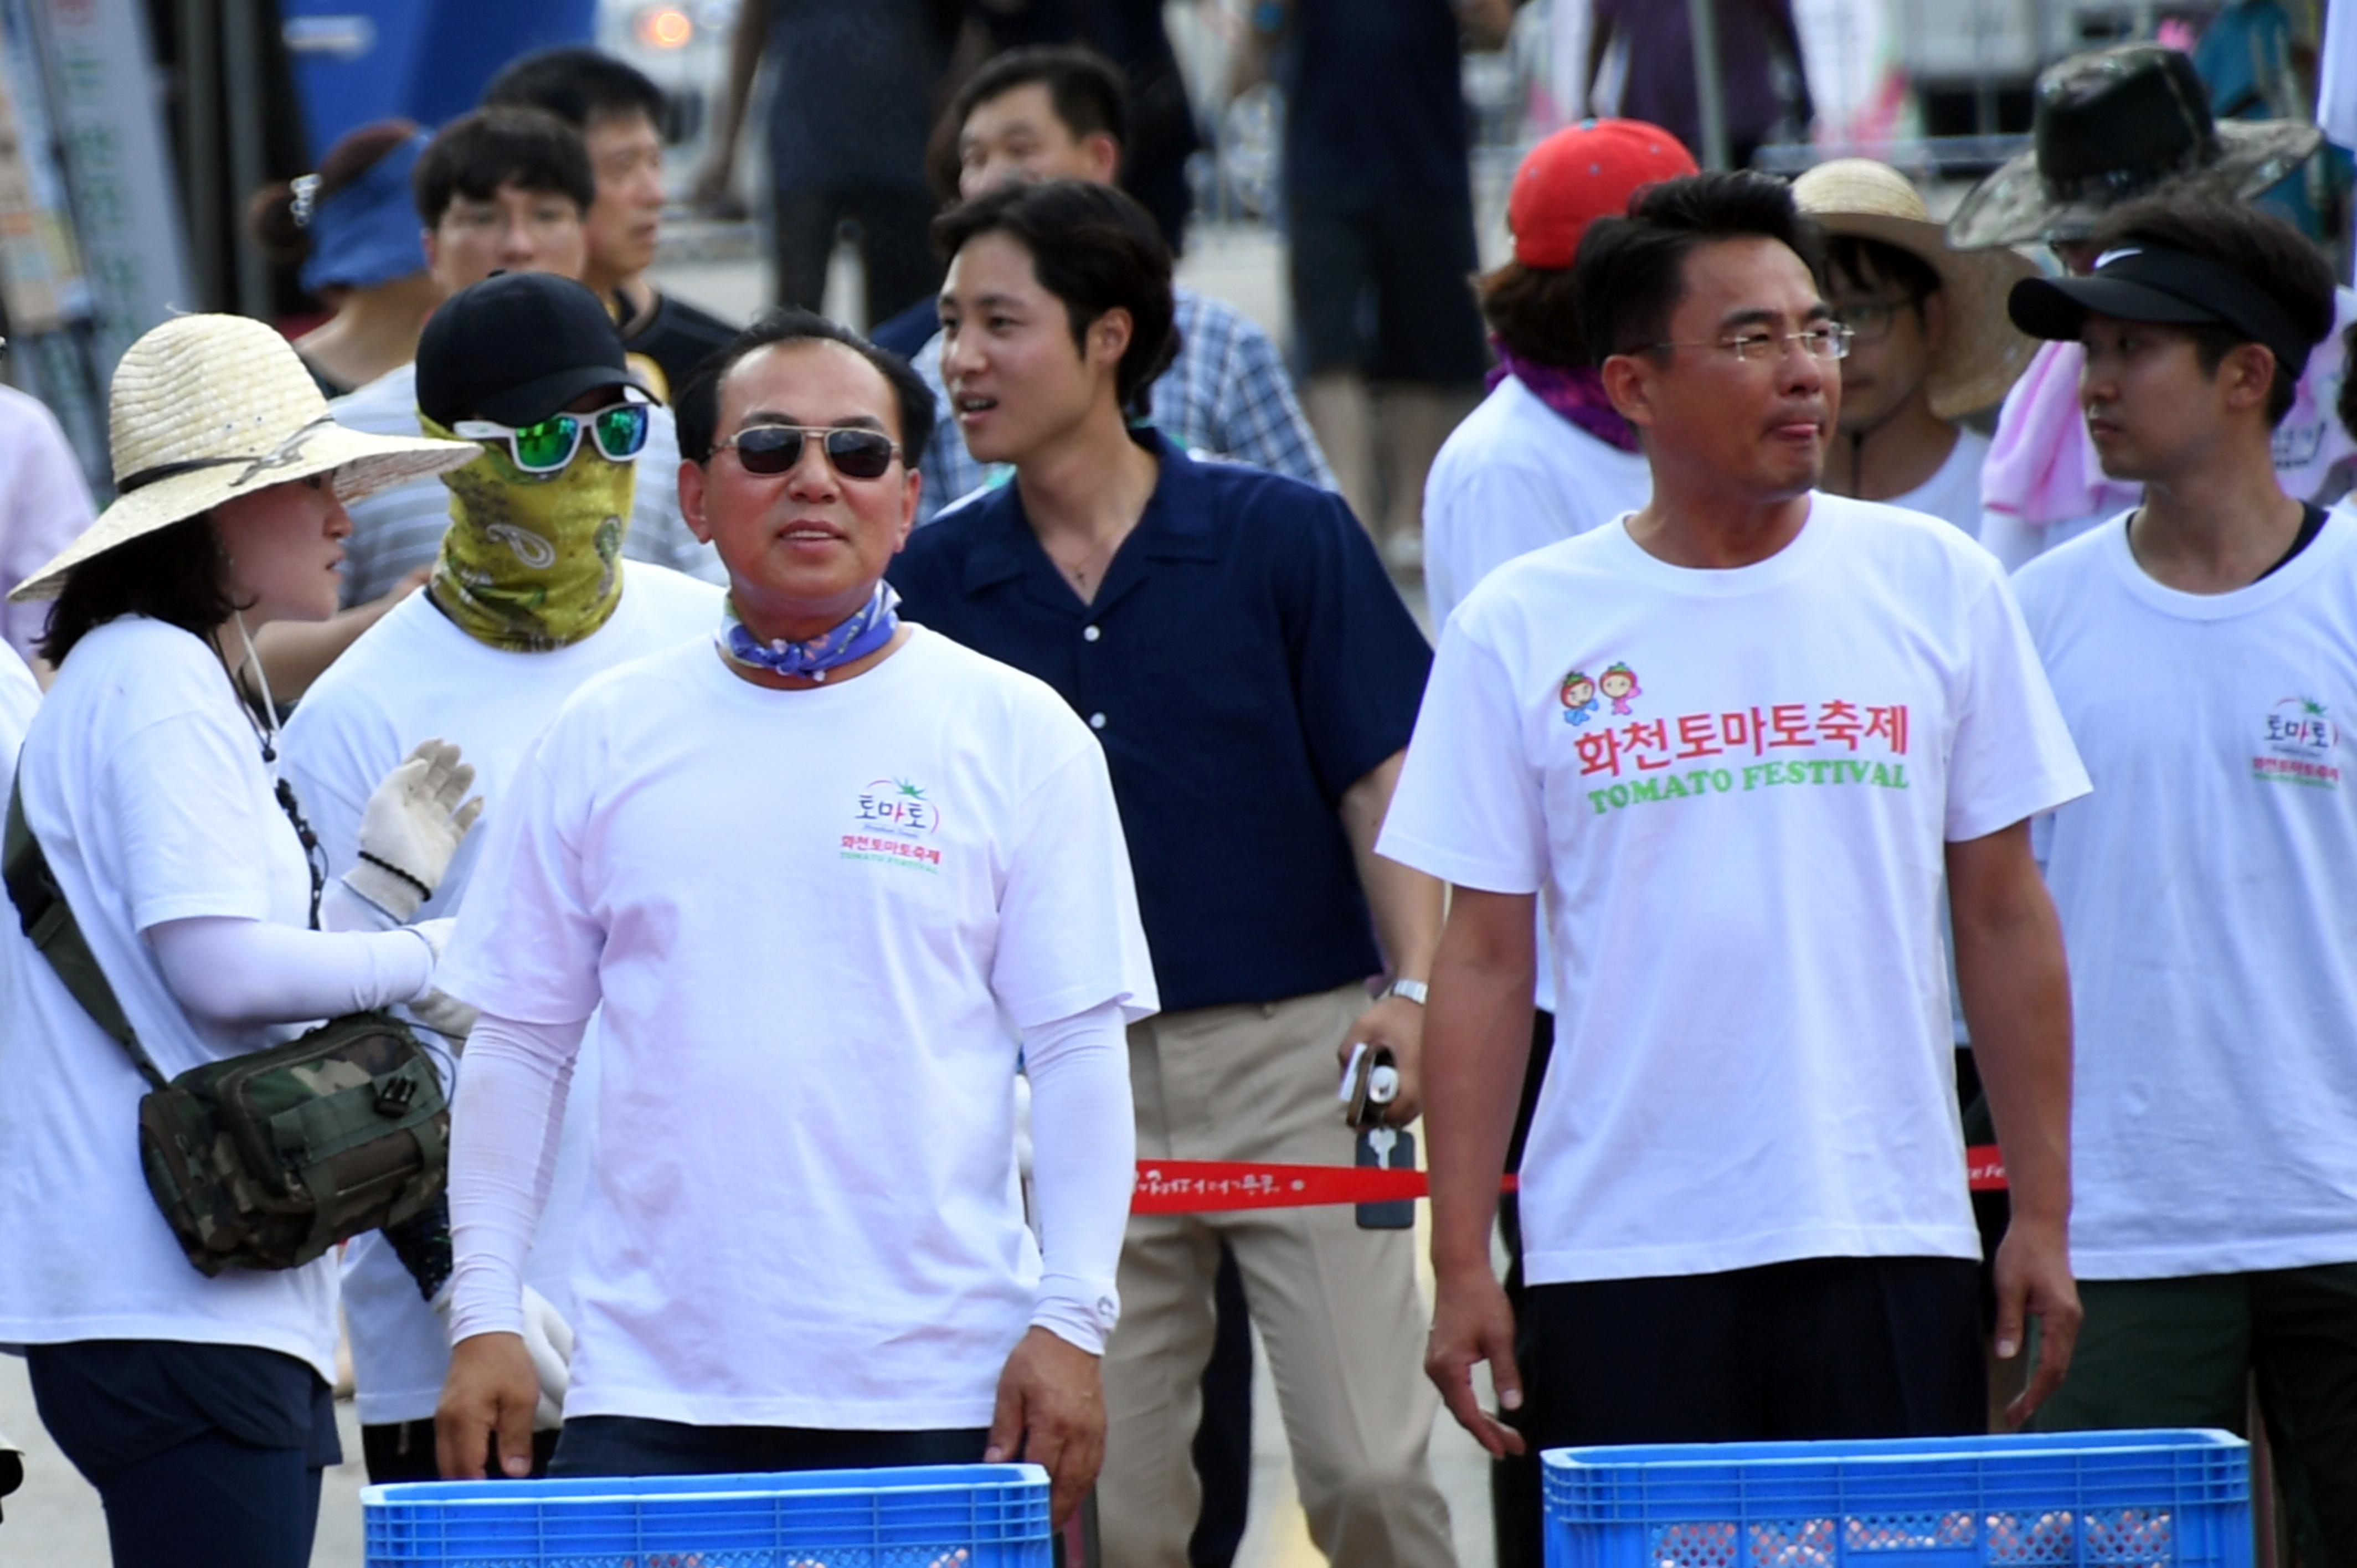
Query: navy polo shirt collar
x=1175, y=526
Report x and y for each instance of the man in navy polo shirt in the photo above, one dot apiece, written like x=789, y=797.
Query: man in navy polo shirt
x=1234, y=641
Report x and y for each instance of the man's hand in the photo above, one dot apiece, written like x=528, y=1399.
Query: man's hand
x=487, y=1397
x=1471, y=1321
x=1396, y=1025
x=2033, y=1279
x=1050, y=1411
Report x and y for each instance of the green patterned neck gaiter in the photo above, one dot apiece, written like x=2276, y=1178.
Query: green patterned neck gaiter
x=530, y=562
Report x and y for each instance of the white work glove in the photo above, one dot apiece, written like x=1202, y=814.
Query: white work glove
x=547, y=1339
x=410, y=827
x=438, y=1010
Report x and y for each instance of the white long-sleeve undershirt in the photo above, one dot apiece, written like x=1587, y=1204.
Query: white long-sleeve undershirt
x=510, y=1104
x=228, y=970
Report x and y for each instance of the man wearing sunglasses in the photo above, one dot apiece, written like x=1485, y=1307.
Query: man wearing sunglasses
x=826, y=874
x=1232, y=638
x=530, y=597
x=1742, y=1198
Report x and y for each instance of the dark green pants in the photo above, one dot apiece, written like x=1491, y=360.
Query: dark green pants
x=2182, y=1352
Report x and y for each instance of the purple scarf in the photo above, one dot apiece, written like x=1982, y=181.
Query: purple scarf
x=867, y=629
x=1577, y=394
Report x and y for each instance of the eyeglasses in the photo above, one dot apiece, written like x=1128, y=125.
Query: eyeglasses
x=619, y=431
x=1870, y=320
x=1826, y=341
x=856, y=452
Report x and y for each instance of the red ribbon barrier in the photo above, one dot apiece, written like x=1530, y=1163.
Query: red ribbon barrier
x=1206, y=1187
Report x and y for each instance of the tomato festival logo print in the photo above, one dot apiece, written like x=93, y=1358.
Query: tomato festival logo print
x=2302, y=740
x=893, y=820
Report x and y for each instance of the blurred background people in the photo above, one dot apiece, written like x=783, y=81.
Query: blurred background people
x=618, y=114
x=1062, y=114
x=2113, y=124
x=1378, y=193
x=1929, y=341
x=850, y=106
x=43, y=503
x=1756, y=38
x=353, y=228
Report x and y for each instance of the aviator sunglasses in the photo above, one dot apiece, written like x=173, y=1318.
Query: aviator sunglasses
x=857, y=452
x=547, y=446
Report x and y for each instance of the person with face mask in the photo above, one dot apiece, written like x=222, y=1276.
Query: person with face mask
x=530, y=599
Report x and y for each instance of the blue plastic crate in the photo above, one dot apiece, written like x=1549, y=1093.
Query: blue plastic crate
x=938, y=1516
x=2136, y=1499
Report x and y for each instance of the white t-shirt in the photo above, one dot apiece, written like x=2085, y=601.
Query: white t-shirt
x=415, y=676
x=44, y=506
x=143, y=782
x=2208, y=907
x=1952, y=493
x=20, y=696
x=1742, y=860
x=1514, y=477
x=817, y=921
x=396, y=531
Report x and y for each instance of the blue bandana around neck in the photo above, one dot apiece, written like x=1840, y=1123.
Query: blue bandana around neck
x=870, y=629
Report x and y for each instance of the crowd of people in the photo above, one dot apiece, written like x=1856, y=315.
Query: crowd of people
x=912, y=790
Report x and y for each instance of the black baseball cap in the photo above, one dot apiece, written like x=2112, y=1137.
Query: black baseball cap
x=2154, y=283
x=516, y=348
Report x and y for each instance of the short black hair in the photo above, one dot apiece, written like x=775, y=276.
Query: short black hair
x=476, y=154
x=697, y=412
x=176, y=574
x=1095, y=249
x=1087, y=89
x=1535, y=312
x=577, y=85
x=2203, y=219
x=1631, y=271
x=1867, y=261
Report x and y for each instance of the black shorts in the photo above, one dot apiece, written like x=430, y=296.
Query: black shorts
x=1388, y=292
x=1820, y=1347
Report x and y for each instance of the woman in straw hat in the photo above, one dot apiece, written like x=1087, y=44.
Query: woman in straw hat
x=1929, y=341
x=198, y=1406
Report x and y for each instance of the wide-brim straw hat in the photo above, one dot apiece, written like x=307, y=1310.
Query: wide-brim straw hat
x=2117, y=124
x=1982, y=352
x=208, y=408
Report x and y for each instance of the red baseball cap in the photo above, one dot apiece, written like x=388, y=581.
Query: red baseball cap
x=1582, y=172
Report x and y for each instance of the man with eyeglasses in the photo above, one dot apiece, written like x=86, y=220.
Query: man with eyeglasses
x=1928, y=342
x=1743, y=1197
x=821, y=874
x=530, y=599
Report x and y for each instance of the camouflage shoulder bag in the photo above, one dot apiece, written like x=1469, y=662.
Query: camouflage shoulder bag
x=261, y=1161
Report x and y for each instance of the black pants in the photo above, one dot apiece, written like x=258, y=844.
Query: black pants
x=1816, y=1349
x=404, y=1451
x=204, y=1455
x=634, y=1446
x=896, y=246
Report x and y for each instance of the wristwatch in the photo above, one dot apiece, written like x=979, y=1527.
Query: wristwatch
x=1415, y=991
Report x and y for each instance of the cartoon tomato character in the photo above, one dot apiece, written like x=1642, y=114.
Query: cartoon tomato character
x=1579, y=698
x=1620, y=684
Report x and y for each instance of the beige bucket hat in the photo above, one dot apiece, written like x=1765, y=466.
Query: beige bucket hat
x=1984, y=352
x=207, y=408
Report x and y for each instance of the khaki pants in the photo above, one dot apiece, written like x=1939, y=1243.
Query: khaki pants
x=1337, y=1306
